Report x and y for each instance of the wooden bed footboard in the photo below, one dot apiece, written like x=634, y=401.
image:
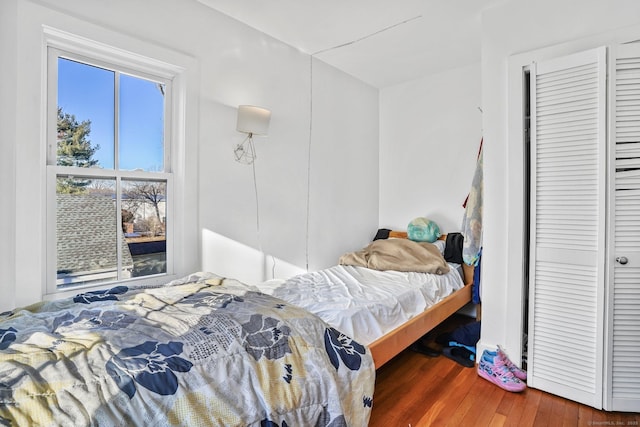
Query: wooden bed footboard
x=389, y=345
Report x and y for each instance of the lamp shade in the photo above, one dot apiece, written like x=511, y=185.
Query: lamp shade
x=253, y=120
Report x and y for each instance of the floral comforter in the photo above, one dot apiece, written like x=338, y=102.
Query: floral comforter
x=198, y=351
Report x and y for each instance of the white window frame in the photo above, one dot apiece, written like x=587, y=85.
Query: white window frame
x=62, y=44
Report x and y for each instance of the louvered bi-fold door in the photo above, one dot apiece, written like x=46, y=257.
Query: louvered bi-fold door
x=566, y=308
x=623, y=320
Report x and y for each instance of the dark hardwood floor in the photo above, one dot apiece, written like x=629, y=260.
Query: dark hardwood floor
x=417, y=390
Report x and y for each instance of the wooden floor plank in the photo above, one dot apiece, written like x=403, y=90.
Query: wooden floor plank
x=498, y=420
x=557, y=413
x=484, y=408
x=543, y=413
x=517, y=408
x=459, y=387
x=506, y=404
x=585, y=415
x=570, y=415
x=528, y=414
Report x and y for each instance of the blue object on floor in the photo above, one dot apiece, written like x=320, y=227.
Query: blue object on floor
x=468, y=334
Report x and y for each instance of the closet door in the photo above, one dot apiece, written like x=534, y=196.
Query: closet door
x=568, y=160
x=623, y=320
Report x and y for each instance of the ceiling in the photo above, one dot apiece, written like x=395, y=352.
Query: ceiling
x=381, y=42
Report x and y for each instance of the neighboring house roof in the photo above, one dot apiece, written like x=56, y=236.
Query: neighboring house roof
x=87, y=234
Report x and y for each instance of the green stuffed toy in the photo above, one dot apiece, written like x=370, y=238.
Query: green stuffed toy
x=423, y=230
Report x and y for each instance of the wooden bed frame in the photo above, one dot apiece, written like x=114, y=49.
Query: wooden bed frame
x=388, y=346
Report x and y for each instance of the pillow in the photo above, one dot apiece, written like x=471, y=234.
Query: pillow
x=441, y=245
x=423, y=230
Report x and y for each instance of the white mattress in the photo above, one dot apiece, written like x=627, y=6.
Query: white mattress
x=363, y=303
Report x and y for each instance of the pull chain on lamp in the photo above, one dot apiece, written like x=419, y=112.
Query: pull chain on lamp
x=252, y=120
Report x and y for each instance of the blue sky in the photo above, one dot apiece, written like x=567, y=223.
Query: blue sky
x=88, y=93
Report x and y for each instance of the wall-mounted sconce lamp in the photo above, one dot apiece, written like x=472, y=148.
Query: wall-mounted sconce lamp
x=252, y=121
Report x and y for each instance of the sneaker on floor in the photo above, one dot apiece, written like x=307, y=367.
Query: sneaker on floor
x=504, y=360
x=492, y=369
x=519, y=373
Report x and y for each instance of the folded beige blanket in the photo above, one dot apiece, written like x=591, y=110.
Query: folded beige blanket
x=399, y=255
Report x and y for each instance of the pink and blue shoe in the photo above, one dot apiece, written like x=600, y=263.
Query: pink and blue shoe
x=493, y=368
x=519, y=373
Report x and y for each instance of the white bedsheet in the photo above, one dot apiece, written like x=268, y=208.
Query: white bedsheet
x=363, y=303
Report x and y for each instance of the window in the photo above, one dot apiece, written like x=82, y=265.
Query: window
x=109, y=178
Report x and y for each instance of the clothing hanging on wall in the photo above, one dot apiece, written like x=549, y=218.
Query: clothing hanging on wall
x=472, y=225
x=472, y=219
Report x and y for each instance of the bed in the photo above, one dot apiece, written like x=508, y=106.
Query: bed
x=385, y=309
x=201, y=350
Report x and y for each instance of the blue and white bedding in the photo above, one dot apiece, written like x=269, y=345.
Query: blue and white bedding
x=202, y=350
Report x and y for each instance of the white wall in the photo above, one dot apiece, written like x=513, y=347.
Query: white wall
x=8, y=97
x=344, y=166
x=430, y=131
x=510, y=30
x=234, y=65
x=343, y=173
